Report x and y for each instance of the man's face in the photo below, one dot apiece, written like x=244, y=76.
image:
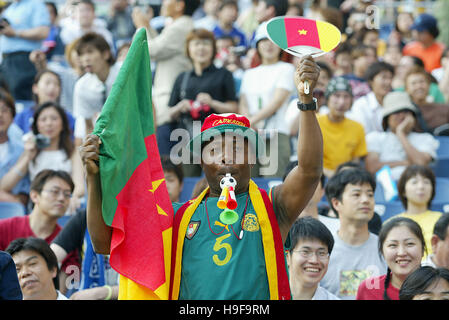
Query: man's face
x=356, y=204
x=93, y=60
x=381, y=83
x=440, y=249
x=339, y=102
x=308, y=262
x=6, y=117
x=263, y=13
x=85, y=14
x=227, y=153
x=174, y=186
x=54, y=198
x=35, y=278
x=170, y=8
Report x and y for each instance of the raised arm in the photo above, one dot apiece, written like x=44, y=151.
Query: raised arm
x=100, y=233
x=292, y=196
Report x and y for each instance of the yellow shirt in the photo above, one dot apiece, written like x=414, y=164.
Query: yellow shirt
x=426, y=221
x=342, y=141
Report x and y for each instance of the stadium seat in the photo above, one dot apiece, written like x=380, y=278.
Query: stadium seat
x=443, y=150
x=11, y=209
x=386, y=210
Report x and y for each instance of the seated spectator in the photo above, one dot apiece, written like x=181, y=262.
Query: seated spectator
x=405, y=65
x=374, y=224
x=50, y=194
x=368, y=109
x=307, y=258
x=343, y=60
x=401, y=34
x=98, y=280
x=440, y=244
x=227, y=16
x=174, y=177
x=362, y=56
x=10, y=151
x=355, y=257
x=264, y=97
x=209, y=21
x=119, y=22
x=46, y=88
x=343, y=139
x=52, y=150
x=92, y=89
x=9, y=284
x=416, y=189
x=426, y=283
x=37, y=269
x=393, y=55
x=402, y=245
x=432, y=115
x=85, y=22
x=203, y=91
x=399, y=146
x=425, y=46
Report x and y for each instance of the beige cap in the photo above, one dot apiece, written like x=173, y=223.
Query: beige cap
x=394, y=102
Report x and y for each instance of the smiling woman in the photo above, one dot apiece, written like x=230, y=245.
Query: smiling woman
x=402, y=244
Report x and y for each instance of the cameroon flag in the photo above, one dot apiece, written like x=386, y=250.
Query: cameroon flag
x=135, y=199
x=289, y=32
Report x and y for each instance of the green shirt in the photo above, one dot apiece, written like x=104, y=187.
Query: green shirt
x=220, y=266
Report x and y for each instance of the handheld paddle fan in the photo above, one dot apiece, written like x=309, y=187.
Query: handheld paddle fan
x=300, y=36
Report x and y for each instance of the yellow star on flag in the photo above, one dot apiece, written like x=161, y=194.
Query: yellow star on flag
x=155, y=185
x=302, y=32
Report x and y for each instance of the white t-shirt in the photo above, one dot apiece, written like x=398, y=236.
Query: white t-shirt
x=55, y=160
x=333, y=224
x=368, y=111
x=349, y=265
x=323, y=294
x=258, y=86
x=61, y=296
x=3, y=150
x=89, y=95
x=389, y=148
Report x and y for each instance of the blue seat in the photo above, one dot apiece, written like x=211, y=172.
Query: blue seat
x=11, y=209
x=443, y=149
x=441, y=167
x=386, y=210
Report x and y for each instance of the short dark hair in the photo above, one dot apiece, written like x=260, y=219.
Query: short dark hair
x=413, y=226
x=169, y=166
x=41, y=247
x=7, y=98
x=43, y=176
x=337, y=184
x=440, y=228
x=410, y=172
x=280, y=6
x=190, y=6
x=309, y=228
x=420, y=279
x=376, y=68
x=95, y=40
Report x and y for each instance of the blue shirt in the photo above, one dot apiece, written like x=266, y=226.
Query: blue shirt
x=238, y=36
x=15, y=150
x=23, y=15
x=9, y=282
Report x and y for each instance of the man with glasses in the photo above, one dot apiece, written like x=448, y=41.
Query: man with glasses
x=50, y=193
x=310, y=246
